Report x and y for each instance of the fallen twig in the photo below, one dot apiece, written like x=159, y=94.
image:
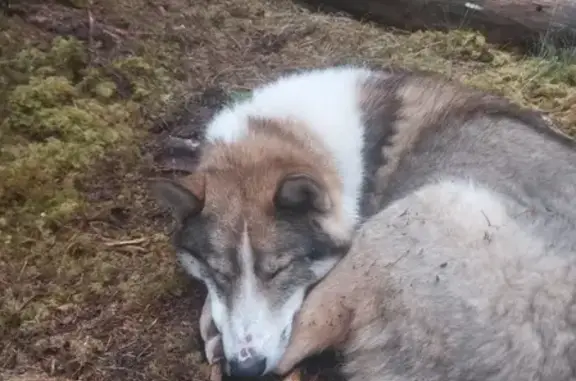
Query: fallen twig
x=126, y=242
x=90, y=37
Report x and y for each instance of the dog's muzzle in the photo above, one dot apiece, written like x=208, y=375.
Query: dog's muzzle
x=247, y=364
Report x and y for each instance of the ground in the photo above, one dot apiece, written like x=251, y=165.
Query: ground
x=89, y=88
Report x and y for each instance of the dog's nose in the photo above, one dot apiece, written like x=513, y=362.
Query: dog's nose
x=252, y=366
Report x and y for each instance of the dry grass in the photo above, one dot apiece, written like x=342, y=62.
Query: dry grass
x=92, y=293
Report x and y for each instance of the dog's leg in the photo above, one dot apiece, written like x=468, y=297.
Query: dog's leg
x=209, y=333
x=323, y=322
x=294, y=375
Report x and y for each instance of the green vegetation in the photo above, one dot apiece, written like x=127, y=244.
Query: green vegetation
x=60, y=117
x=61, y=121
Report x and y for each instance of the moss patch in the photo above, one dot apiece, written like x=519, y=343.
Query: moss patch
x=60, y=117
x=71, y=119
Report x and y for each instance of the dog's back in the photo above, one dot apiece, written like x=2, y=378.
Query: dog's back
x=469, y=272
x=461, y=291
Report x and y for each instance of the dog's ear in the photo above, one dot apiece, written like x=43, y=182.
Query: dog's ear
x=183, y=198
x=302, y=193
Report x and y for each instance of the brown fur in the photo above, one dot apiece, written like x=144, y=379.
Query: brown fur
x=236, y=185
x=241, y=179
x=265, y=157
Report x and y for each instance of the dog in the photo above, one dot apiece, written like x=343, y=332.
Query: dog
x=286, y=178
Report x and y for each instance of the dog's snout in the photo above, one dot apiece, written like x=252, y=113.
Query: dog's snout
x=248, y=364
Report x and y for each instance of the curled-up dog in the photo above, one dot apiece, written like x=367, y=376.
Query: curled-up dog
x=286, y=178
x=448, y=283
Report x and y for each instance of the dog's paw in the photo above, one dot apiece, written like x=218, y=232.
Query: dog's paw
x=213, y=350
x=212, y=339
x=294, y=375
x=216, y=371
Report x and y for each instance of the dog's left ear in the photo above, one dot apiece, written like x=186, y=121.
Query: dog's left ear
x=302, y=193
x=183, y=199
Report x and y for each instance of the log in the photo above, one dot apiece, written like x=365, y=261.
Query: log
x=521, y=23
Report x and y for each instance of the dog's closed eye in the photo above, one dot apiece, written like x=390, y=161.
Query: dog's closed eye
x=221, y=278
x=270, y=275
x=315, y=254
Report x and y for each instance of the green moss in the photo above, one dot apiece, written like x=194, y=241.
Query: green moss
x=240, y=95
x=141, y=74
x=105, y=90
x=60, y=117
x=462, y=45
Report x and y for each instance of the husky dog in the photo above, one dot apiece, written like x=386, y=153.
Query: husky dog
x=285, y=179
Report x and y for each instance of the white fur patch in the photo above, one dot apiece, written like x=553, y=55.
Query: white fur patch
x=190, y=264
x=328, y=101
x=475, y=207
x=217, y=306
x=341, y=231
x=322, y=267
x=252, y=322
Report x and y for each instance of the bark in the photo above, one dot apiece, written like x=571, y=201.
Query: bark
x=524, y=23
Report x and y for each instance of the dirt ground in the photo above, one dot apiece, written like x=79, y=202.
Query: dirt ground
x=94, y=294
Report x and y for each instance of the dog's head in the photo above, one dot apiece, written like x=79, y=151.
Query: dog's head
x=259, y=230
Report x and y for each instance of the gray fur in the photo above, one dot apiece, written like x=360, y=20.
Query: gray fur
x=492, y=304
x=436, y=299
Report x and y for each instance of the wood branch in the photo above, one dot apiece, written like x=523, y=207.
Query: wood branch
x=522, y=23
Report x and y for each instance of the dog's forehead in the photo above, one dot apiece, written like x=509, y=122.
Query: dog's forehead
x=254, y=185
x=238, y=228
x=265, y=241
x=240, y=200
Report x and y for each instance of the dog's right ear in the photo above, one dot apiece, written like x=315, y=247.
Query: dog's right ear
x=183, y=199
